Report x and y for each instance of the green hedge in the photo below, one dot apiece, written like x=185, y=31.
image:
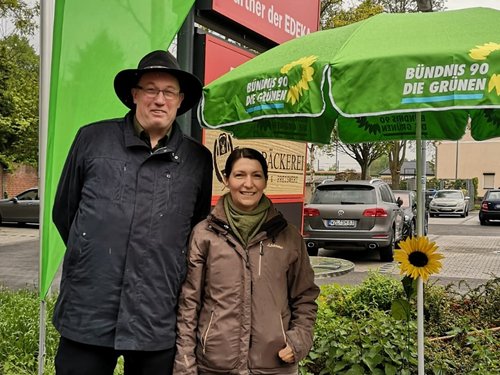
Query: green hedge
x=355, y=332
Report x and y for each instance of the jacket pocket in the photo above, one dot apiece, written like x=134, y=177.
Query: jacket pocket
x=204, y=337
x=218, y=347
x=106, y=178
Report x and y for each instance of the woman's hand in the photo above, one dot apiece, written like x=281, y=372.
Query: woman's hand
x=286, y=354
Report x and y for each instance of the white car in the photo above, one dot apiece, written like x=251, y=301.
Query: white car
x=449, y=202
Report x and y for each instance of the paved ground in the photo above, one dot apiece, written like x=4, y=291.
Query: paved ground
x=469, y=262
x=474, y=259
x=19, y=261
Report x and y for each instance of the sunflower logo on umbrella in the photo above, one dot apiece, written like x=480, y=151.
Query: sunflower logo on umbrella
x=481, y=53
x=296, y=90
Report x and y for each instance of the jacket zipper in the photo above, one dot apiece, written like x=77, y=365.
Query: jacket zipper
x=205, y=336
x=261, y=254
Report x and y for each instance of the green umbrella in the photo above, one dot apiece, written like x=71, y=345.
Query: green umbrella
x=373, y=76
x=392, y=76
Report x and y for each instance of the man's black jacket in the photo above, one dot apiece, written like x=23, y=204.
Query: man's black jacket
x=125, y=214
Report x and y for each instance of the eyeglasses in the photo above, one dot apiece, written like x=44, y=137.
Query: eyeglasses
x=153, y=93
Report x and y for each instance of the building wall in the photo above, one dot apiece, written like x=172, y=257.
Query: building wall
x=22, y=178
x=475, y=159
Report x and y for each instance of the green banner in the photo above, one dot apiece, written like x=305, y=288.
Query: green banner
x=92, y=41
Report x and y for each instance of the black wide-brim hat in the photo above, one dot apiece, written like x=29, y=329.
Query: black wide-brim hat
x=161, y=61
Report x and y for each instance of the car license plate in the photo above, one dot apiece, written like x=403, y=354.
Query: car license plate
x=341, y=223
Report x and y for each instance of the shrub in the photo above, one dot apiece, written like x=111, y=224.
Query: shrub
x=19, y=324
x=354, y=333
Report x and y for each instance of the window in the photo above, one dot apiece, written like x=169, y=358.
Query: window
x=345, y=195
x=28, y=195
x=386, y=194
x=488, y=180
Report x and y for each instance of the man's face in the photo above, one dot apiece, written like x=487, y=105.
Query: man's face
x=156, y=111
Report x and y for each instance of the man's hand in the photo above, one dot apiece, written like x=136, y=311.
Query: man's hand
x=286, y=354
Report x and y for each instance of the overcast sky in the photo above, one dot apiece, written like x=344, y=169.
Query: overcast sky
x=460, y=4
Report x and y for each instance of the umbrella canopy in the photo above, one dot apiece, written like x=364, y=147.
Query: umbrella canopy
x=373, y=76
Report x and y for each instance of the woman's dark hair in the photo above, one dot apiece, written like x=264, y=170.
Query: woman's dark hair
x=247, y=153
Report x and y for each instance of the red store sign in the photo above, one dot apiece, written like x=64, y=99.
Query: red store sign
x=276, y=20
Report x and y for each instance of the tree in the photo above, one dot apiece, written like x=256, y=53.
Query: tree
x=410, y=6
x=335, y=14
x=364, y=153
x=379, y=165
x=19, y=70
x=18, y=17
x=397, y=153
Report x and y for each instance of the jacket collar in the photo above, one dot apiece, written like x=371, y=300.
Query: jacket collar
x=173, y=143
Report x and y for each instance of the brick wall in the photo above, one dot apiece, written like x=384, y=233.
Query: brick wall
x=22, y=178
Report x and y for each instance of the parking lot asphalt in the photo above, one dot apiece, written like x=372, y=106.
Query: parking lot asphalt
x=474, y=259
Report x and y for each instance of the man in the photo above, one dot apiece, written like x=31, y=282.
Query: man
x=131, y=191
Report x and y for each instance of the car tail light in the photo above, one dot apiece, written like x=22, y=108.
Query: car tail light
x=484, y=206
x=375, y=212
x=310, y=212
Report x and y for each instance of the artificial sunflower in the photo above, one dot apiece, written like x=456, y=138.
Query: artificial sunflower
x=418, y=257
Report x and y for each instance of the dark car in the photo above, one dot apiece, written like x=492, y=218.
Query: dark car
x=353, y=214
x=409, y=207
x=490, y=206
x=429, y=194
x=23, y=208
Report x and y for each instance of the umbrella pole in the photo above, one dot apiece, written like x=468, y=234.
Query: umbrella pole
x=421, y=177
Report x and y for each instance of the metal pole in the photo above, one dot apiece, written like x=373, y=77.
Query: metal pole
x=46, y=22
x=420, y=230
x=456, y=162
x=337, y=156
x=185, y=42
x=420, y=326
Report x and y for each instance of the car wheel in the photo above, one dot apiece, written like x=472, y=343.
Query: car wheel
x=387, y=252
x=464, y=214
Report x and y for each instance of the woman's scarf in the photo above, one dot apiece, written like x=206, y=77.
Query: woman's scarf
x=246, y=224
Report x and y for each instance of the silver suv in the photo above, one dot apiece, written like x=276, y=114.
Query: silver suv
x=353, y=214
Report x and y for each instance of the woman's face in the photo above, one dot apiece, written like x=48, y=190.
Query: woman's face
x=246, y=183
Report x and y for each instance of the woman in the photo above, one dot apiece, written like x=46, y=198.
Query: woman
x=248, y=303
